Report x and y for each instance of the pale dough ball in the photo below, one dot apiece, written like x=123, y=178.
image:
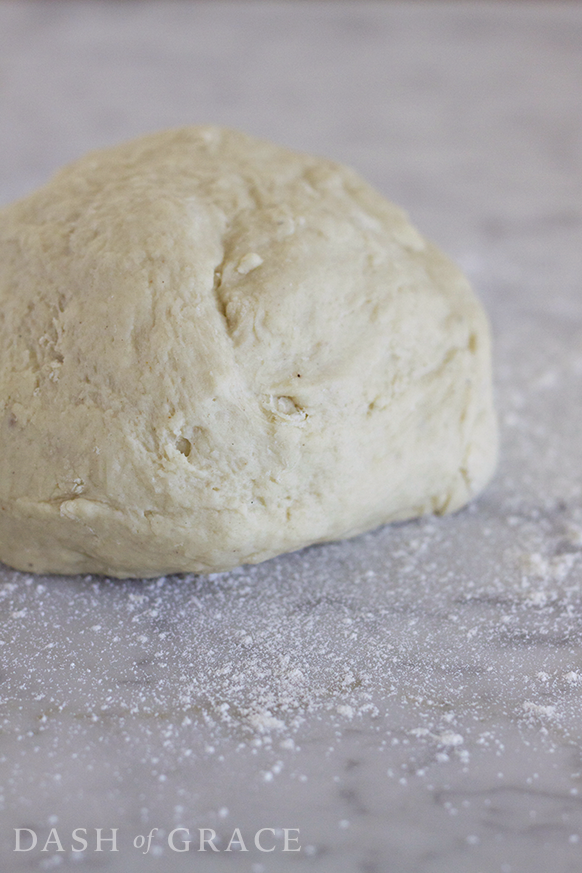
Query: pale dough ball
x=214, y=350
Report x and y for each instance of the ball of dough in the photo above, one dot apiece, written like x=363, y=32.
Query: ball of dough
x=214, y=350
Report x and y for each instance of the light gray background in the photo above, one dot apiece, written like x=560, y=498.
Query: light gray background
x=410, y=700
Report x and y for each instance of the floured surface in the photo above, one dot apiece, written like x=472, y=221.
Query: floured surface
x=438, y=661
x=411, y=699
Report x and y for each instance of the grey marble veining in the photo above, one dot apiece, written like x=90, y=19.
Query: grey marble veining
x=409, y=700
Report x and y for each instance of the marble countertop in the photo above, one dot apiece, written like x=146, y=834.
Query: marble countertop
x=410, y=701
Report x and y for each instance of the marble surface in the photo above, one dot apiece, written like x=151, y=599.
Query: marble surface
x=410, y=700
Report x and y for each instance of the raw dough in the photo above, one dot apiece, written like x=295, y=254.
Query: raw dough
x=214, y=350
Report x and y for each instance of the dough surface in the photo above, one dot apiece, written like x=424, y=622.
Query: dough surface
x=214, y=350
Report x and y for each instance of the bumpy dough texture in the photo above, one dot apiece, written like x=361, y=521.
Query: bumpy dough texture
x=214, y=350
